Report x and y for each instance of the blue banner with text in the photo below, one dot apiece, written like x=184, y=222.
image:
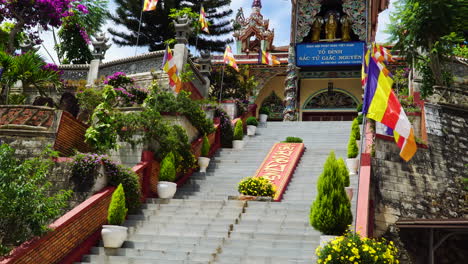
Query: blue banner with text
x=329, y=54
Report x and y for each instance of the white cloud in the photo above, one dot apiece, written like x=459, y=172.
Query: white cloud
x=384, y=21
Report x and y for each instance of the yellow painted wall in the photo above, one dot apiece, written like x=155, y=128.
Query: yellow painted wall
x=275, y=84
x=310, y=86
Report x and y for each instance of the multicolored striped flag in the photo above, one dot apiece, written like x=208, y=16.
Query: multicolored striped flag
x=381, y=104
x=170, y=68
x=149, y=5
x=202, y=20
x=382, y=54
x=229, y=58
x=266, y=58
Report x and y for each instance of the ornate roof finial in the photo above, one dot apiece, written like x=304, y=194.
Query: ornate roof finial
x=257, y=3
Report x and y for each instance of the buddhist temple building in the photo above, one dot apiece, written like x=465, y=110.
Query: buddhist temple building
x=319, y=78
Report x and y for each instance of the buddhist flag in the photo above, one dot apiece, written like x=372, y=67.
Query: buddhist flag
x=170, y=68
x=381, y=104
x=382, y=54
x=150, y=5
x=229, y=58
x=266, y=58
x=365, y=65
x=202, y=20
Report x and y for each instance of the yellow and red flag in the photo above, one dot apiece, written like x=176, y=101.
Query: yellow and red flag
x=202, y=20
x=150, y=5
x=170, y=68
x=266, y=58
x=229, y=58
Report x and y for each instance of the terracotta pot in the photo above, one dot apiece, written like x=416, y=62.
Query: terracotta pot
x=113, y=236
x=203, y=163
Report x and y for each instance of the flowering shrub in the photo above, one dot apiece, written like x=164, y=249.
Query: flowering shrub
x=257, y=186
x=127, y=93
x=85, y=170
x=242, y=106
x=351, y=248
x=227, y=132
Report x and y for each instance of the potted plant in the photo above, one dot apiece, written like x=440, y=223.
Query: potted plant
x=330, y=213
x=167, y=175
x=264, y=112
x=352, y=161
x=252, y=188
x=238, y=142
x=113, y=234
x=357, y=249
x=344, y=173
x=203, y=160
x=252, y=124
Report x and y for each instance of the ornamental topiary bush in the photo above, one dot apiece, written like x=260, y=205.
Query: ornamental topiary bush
x=293, y=140
x=252, y=121
x=344, y=172
x=205, y=149
x=352, y=248
x=239, y=130
x=360, y=119
x=353, y=150
x=264, y=110
x=167, y=171
x=355, y=130
x=256, y=186
x=330, y=213
x=117, y=209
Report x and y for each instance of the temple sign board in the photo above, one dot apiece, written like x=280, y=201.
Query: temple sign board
x=329, y=54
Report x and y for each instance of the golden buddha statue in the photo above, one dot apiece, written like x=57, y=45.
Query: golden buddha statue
x=345, y=28
x=316, y=29
x=330, y=28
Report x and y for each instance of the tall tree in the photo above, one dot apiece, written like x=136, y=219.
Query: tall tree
x=426, y=31
x=157, y=27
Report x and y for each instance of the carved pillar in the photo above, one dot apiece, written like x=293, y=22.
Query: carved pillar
x=289, y=113
x=182, y=28
x=100, y=47
x=205, y=70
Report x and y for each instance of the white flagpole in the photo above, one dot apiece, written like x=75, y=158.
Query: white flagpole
x=138, y=35
x=222, y=80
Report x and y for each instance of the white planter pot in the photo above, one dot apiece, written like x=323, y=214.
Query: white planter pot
x=238, y=144
x=324, y=239
x=203, y=163
x=352, y=165
x=251, y=130
x=263, y=118
x=166, y=190
x=349, y=192
x=113, y=236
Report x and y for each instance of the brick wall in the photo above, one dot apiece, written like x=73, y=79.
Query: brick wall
x=68, y=232
x=70, y=135
x=430, y=185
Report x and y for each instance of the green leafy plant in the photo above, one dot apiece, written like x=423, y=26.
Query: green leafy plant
x=360, y=119
x=239, y=130
x=359, y=108
x=167, y=172
x=355, y=130
x=17, y=99
x=205, y=149
x=119, y=174
x=252, y=121
x=353, y=150
x=227, y=133
x=117, y=209
x=330, y=213
x=256, y=186
x=344, y=172
x=264, y=110
x=27, y=204
x=293, y=140
x=85, y=170
x=352, y=248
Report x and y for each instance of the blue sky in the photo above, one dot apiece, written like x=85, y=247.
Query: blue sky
x=277, y=11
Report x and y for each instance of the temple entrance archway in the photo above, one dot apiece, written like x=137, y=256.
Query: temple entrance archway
x=330, y=105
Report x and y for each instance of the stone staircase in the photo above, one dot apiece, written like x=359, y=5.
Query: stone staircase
x=202, y=226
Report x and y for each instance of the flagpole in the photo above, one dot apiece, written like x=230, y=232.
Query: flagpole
x=139, y=28
x=222, y=80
